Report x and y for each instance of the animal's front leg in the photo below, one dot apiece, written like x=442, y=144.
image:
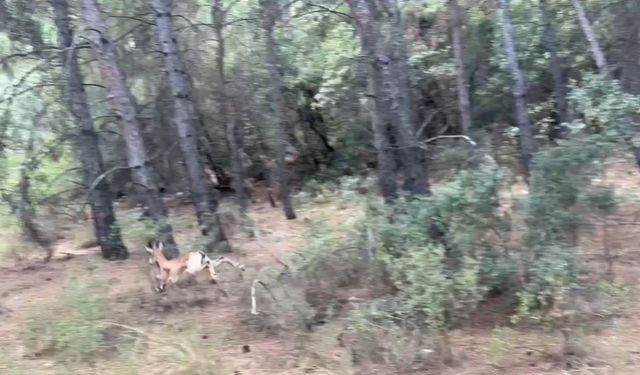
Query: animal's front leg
x=162, y=278
x=214, y=275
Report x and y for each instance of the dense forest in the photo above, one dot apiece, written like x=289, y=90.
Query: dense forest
x=409, y=186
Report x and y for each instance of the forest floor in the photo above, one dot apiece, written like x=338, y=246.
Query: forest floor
x=213, y=322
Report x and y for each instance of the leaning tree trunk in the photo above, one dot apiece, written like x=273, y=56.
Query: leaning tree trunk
x=527, y=141
x=185, y=119
x=86, y=142
x=415, y=167
x=270, y=10
x=122, y=102
x=464, y=103
x=368, y=31
x=590, y=34
x=559, y=87
x=227, y=110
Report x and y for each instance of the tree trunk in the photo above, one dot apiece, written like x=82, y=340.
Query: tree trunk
x=270, y=10
x=464, y=103
x=368, y=31
x=227, y=110
x=185, y=119
x=86, y=143
x=26, y=212
x=527, y=141
x=627, y=32
x=415, y=168
x=559, y=87
x=122, y=101
x=590, y=34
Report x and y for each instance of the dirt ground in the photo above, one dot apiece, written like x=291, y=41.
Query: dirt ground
x=243, y=344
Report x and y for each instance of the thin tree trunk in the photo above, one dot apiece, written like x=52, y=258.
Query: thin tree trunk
x=590, y=34
x=559, y=87
x=527, y=141
x=368, y=31
x=270, y=10
x=26, y=212
x=416, y=171
x=185, y=119
x=227, y=110
x=464, y=103
x=122, y=102
x=86, y=143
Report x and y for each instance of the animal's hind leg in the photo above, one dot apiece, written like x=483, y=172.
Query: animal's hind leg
x=212, y=273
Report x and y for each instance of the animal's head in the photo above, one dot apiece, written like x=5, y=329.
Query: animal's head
x=154, y=249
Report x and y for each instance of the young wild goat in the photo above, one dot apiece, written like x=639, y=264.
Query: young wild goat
x=192, y=263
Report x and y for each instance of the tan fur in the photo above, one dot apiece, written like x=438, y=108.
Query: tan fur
x=192, y=263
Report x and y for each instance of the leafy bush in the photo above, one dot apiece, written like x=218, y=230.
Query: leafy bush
x=327, y=258
x=552, y=278
x=134, y=228
x=559, y=177
x=607, y=109
x=442, y=255
x=432, y=292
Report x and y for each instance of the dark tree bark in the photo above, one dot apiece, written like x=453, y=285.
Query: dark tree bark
x=559, y=86
x=233, y=129
x=590, y=34
x=415, y=168
x=122, y=101
x=368, y=30
x=527, y=141
x=87, y=143
x=185, y=121
x=464, y=103
x=270, y=14
x=627, y=32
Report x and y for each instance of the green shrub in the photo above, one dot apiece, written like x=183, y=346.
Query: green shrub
x=135, y=229
x=560, y=175
x=442, y=254
x=430, y=290
x=551, y=279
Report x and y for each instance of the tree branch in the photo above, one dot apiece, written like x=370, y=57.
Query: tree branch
x=133, y=18
x=117, y=168
x=324, y=9
x=471, y=141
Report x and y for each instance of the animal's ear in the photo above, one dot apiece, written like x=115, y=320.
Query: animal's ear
x=149, y=250
x=160, y=246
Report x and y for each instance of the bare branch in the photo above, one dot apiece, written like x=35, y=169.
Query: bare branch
x=117, y=168
x=324, y=9
x=133, y=18
x=471, y=141
x=239, y=20
x=425, y=123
